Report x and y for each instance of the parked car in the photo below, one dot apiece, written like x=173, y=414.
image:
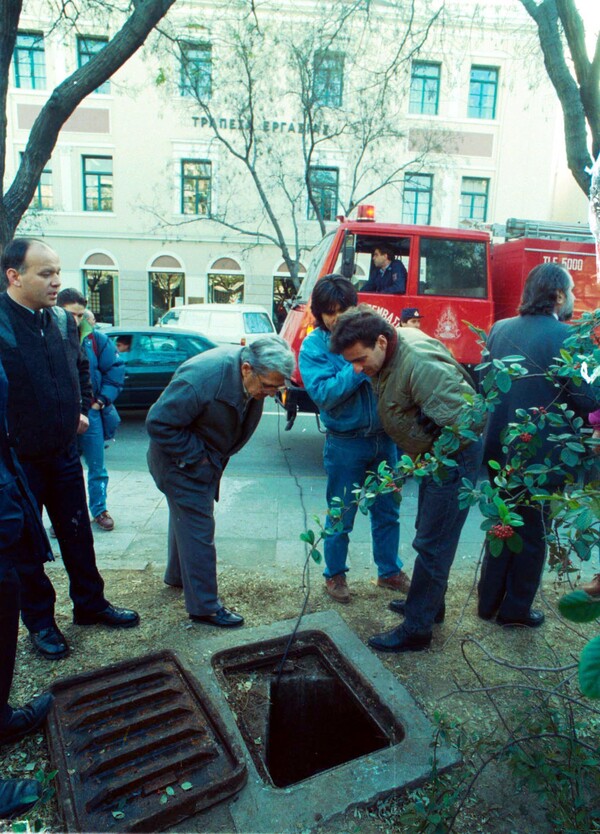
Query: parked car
x=152, y=356
x=237, y=324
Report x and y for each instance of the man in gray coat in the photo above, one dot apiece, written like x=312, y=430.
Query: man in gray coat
x=208, y=412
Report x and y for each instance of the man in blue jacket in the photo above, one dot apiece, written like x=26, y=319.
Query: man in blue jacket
x=107, y=374
x=388, y=273
x=355, y=443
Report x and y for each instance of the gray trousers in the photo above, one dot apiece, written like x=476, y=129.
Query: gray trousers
x=192, y=557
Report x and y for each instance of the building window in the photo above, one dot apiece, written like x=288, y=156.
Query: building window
x=167, y=283
x=195, y=71
x=87, y=47
x=195, y=187
x=328, y=78
x=482, y=93
x=416, y=198
x=100, y=285
x=324, y=189
x=97, y=183
x=473, y=198
x=424, y=88
x=225, y=282
x=30, y=61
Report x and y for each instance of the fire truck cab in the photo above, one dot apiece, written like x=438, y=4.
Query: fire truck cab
x=448, y=280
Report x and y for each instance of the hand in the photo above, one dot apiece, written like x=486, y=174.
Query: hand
x=84, y=424
x=97, y=406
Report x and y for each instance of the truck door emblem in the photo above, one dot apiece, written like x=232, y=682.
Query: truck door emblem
x=447, y=327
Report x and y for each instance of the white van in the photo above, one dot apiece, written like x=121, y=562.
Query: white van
x=236, y=324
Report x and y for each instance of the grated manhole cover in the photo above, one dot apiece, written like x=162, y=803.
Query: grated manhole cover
x=139, y=747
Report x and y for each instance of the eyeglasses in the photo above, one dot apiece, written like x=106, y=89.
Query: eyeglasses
x=267, y=387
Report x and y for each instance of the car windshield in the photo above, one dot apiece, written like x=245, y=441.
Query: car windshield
x=315, y=264
x=257, y=323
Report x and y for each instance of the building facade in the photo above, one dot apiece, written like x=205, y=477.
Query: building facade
x=234, y=132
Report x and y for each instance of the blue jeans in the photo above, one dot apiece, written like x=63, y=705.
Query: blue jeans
x=438, y=525
x=347, y=461
x=91, y=446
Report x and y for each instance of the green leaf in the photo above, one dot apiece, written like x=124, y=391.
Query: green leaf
x=308, y=537
x=494, y=465
x=496, y=546
x=164, y=799
x=503, y=381
x=186, y=786
x=316, y=555
x=579, y=607
x=118, y=815
x=589, y=669
x=515, y=543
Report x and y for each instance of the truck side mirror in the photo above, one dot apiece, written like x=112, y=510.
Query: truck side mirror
x=347, y=267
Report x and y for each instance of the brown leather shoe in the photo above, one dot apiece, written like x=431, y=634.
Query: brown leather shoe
x=104, y=521
x=337, y=588
x=592, y=588
x=399, y=582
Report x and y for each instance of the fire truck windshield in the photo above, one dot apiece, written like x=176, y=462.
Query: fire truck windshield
x=313, y=270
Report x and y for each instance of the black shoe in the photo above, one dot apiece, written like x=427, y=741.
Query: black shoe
x=17, y=796
x=223, y=618
x=25, y=719
x=398, y=606
x=535, y=619
x=397, y=640
x=483, y=614
x=111, y=616
x=50, y=643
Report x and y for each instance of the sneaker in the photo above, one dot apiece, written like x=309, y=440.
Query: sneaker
x=399, y=582
x=337, y=588
x=592, y=588
x=104, y=521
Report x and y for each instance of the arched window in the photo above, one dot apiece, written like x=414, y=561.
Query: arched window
x=100, y=286
x=225, y=282
x=166, y=278
x=284, y=289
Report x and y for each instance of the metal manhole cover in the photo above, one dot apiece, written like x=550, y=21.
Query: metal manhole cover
x=139, y=747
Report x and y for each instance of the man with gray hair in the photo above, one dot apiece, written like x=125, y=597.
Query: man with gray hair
x=207, y=413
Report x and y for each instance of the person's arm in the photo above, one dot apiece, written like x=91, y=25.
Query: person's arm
x=169, y=422
x=438, y=389
x=112, y=369
x=327, y=385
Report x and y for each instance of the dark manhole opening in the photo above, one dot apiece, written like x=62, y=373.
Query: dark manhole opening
x=319, y=714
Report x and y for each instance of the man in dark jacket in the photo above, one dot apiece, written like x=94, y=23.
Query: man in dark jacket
x=207, y=413
x=420, y=389
x=49, y=397
x=510, y=581
x=20, y=529
x=388, y=273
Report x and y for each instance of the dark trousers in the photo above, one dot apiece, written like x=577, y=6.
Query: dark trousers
x=509, y=582
x=9, y=627
x=58, y=485
x=439, y=523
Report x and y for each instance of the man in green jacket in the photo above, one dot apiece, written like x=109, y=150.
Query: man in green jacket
x=421, y=389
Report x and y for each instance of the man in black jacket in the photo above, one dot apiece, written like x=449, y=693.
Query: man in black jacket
x=387, y=275
x=49, y=397
x=510, y=581
x=20, y=528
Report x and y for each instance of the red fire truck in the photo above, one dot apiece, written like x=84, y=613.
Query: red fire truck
x=455, y=278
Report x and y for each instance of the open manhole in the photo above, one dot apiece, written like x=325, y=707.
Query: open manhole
x=138, y=747
x=315, y=715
